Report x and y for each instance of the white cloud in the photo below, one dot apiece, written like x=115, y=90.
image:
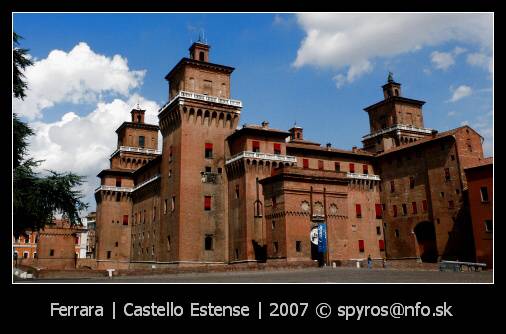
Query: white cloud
x=452, y=113
x=442, y=60
x=481, y=60
x=355, y=71
x=343, y=41
x=81, y=75
x=461, y=92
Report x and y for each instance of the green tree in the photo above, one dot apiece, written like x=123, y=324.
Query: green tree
x=37, y=198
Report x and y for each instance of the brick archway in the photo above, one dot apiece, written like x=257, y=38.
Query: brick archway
x=425, y=233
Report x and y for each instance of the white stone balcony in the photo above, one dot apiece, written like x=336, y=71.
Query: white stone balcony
x=136, y=149
x=262, y=156
x=363, y=176
x=127, y=189
x=398, y=127
x=202, y=97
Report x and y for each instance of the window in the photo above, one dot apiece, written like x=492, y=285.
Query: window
x=275, y=244
x=207, y=203
x=208, y=169
x=125, y=219
x=320, y=164
x=219, y=170
x=168, y=243
x=484, y=194
x=381, y=244
x=424, y=205
x=442, y=194
x=451, y=204
x=305, y=163
x=438, y=221
x=404, y=209
x=392, y=186
x=379, y=211
x=173, y=204
x=361, y=246
x=236, y=253
x=415, y=209
x=170, y=153
x=277, y=148
x=378, y=230
x=397, y=233
x=256, y=146
x=209, y=151
x=51, y=252
x=25, y=255
x=452, y=157
x=201, y=56
x=116, y=244
x=141, y=141
x=365, y=169
x=411, y=182
x=337, y=166
x=358, y=210
x=298, y=246
x=469, y=147
x=165, y=207
x=27, y=240
x=118, y=181
x=488, y=226
x=273, y=225
x=395, y=210
x=154, y=213
x=447, y=174
x=118, y=197
x=352, y=168
x=236, y=191
x=208, y=242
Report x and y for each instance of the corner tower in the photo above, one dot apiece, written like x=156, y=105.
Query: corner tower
x=395, y=120
x=195, y=123
x=137, y=144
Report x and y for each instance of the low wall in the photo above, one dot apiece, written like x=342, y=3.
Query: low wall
x=86, y=264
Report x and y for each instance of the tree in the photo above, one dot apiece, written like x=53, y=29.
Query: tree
x=36, y=198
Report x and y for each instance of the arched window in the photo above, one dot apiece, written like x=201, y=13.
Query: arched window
x=208, y=242
x=201, y=56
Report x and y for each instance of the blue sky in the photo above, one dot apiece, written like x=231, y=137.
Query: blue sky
x=319, y=70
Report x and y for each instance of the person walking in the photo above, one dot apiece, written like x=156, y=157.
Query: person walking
x=369, y=262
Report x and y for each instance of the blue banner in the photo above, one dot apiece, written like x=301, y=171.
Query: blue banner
x=322, y=238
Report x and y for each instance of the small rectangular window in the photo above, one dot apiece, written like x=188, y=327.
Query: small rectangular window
x=305, y=163
x=392, y=186
x=173, y=204
x=358, y=209
x=488, y=226
x=277, y=148
x=411, y=182
x=275, y=244
x=415, y=209
x=208, y=169
x=379, y=211
x=395, y=210
x=208, y=151
x=108, y=254
x=484, y=194
x=125, y=219
x=207, y=203
x=378, y=230
x=381, y=244
x=298, y=246
x=361, y=246
x=208, y=242
x=352, y=168
x=51, y=252
x=337, y=166
x=320, y=164
x=141, y=141
x=170, y=153
x=165, y=207
x=397, y=233
x=219, y=170
x=256, y=146
x=365, y=169
x=447, y=174
x=404, y=209
x=236, y=191
x=118, y=181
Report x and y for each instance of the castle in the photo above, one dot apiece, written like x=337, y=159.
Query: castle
x=219, y=194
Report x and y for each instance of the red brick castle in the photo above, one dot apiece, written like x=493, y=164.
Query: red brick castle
x=219, y=194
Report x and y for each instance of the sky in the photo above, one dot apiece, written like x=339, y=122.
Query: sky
x=318, y=70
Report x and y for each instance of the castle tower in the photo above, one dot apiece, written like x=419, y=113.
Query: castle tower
x=137, y=144
x=395, y=120
x=194, y=124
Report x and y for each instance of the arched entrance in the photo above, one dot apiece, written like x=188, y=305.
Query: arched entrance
x=426, y=237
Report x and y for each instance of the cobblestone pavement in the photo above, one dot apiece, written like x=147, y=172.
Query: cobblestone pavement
x=309, y=275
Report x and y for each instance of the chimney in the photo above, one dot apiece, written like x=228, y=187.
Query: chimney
x=265, y=124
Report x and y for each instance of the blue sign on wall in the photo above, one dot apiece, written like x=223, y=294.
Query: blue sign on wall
x=322, y=238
